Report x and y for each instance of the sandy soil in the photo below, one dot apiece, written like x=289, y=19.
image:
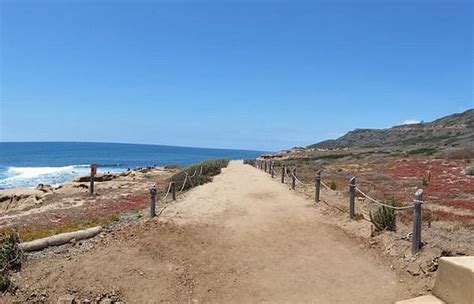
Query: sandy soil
x=241, y=239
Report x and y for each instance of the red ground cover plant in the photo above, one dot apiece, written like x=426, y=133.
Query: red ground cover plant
x=442, y=181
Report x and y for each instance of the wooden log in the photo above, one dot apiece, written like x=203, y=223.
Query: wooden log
x=60, y=239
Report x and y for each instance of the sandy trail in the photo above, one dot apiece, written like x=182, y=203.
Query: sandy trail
x=243, y=238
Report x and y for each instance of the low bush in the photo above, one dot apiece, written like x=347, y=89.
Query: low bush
x=423, y=151
x=384, y=218
x=466, y=153
x=10, y=257
x=333, y=185
x=198, y=174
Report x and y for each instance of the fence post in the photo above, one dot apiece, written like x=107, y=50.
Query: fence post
x=266, y=165
x=352, y=188
x=93, y=172
x=283, y=169
x=272, y=172
x=318, y=186
x=293, y=179
x=416, y=234
x=152, y=200
x=173, y=190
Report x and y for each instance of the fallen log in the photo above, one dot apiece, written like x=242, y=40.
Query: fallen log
x=60, y=239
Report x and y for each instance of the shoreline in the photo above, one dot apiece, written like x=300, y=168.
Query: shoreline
x=21, y=201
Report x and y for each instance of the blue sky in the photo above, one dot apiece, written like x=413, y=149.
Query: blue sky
x=230, y=74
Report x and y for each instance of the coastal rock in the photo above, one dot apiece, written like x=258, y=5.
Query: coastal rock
x=44, y=188
x=97, y=178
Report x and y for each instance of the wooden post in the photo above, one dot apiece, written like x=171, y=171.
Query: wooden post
x=152, y=200
x=93, y=173
x=352, y=188
x=318, y=186
x=293, y=179
x=173, y=190
x=416, y=234
x=272, y=172
x=283, y=169
x=265, y=166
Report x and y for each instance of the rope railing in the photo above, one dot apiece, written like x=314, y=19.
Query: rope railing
x=326, y=186
x=382, y=204
x=184, y=183
x=168, y=191
x=298, y=180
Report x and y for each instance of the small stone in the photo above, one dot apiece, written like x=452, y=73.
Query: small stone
x=67, y=299
x=414, y=270
x=106, y=301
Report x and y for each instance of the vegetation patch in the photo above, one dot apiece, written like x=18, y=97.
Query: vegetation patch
x=198, y=174
x=423, y=151
x=384, y=218
x=10, y=258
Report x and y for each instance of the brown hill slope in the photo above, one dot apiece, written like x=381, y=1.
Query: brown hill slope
x=453, y=130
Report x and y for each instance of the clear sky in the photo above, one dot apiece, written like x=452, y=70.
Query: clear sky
x=231, y=74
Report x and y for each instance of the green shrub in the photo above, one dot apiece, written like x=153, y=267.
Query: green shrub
x=4, y=283
x=198, y=176
x=10, y=257
x=384, y=218
x=333, y=185
x=423, y=151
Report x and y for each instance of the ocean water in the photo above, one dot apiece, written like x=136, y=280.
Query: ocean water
x=28, y=164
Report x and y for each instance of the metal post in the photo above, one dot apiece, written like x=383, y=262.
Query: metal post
x=173, y=190
x=152, y=200
x=352, y=188
x=272, y=171
x=293, y=179
x=283, y=169
x=416, y=234
x=318, y=186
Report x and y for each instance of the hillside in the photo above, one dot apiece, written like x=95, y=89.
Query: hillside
x=453, y=130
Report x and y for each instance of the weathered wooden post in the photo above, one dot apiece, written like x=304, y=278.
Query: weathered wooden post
x=265, y=166
x=152, y=200
x=352, y=188
x=173, y=190
x=272, y=171
x=283, y=169
x=93, y=173
x=317, y=186
x=293, y=178
x=416, y=234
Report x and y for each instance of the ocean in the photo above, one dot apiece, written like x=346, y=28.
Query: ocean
x=31, y=163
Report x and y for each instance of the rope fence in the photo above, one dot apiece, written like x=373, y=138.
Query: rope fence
x=286, y=177
x=171, y=189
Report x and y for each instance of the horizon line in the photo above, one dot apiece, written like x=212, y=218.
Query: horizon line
x=129, y=143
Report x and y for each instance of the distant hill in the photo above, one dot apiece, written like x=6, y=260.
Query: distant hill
x=453, y=130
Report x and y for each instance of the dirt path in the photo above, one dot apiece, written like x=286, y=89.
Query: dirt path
x=242, y=238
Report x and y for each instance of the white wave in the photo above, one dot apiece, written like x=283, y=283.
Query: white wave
x=32, y=172
x=32, y=176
